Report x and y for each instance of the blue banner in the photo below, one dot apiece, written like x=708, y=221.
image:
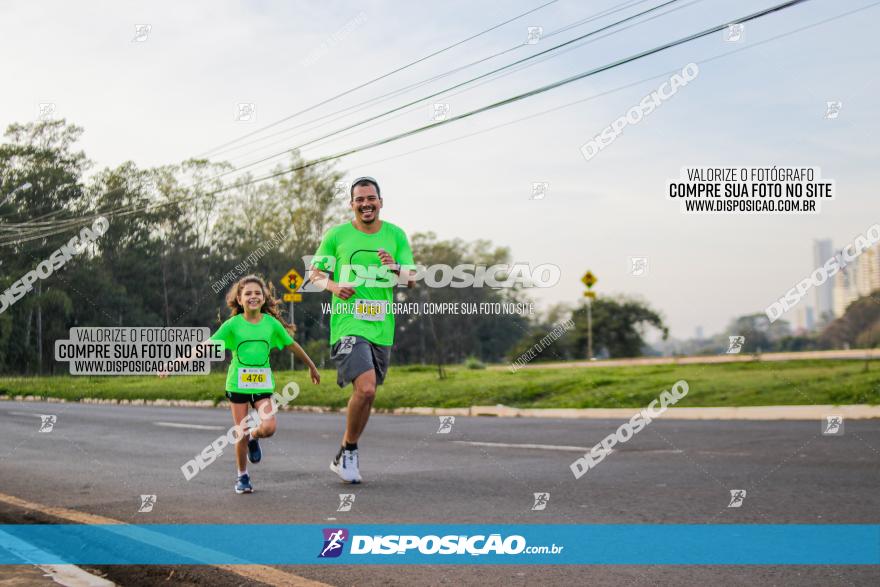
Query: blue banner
x=522, y=544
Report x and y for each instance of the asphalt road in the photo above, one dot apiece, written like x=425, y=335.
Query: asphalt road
x=100, y=459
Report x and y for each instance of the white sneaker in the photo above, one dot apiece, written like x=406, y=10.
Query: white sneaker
x=346, y=466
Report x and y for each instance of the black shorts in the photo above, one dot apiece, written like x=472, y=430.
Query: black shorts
x=244, y=398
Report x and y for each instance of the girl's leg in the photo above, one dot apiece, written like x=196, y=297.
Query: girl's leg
x=239, y=413
x=267, y=418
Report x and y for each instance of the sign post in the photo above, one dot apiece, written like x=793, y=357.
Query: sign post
x=589, y=280
x=291, y=282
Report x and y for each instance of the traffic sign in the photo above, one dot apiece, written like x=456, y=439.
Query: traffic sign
x=292, y=281
x=590, y=294
x=293, y=297
x=589, y=279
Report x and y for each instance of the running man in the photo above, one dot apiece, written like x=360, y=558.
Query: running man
x=365, y=257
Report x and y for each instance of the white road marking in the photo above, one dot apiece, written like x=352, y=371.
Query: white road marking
x=67, y=575
x=534, y=446
x=37, y=414
x=192, y=426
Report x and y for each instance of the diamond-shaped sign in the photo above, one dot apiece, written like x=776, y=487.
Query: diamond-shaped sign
x=589, y=279
x=292, y=281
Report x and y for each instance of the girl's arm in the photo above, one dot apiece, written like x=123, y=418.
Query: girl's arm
x=303, y=356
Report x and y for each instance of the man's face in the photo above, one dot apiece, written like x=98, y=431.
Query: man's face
x=366, y=203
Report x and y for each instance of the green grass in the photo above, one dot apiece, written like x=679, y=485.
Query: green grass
x=731, y=384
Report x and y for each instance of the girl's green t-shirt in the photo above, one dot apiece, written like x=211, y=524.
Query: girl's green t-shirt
x=250, y=345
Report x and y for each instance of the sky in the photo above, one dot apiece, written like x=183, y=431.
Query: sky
x=171, y=90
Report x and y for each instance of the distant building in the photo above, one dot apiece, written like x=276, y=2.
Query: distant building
x=811, y=319
x=868, y=274
x=824, y=294
x=857, y=280
x=845, y=292
x=699, y=333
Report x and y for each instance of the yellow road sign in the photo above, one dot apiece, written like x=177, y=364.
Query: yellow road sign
x=590, y=294
x=292, y=281
x=293, y=297
x=589, y=279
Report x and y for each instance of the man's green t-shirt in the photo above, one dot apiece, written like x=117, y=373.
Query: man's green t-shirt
x=250, y=344
x=353, y=258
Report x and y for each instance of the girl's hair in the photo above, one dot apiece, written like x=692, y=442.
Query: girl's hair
x=270, y=303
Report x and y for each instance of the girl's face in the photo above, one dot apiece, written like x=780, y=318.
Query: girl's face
x=251, y=297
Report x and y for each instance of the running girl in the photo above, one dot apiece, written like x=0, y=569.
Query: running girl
x=255, y=328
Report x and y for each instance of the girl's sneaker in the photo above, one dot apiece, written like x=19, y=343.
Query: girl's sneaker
x=243, y=485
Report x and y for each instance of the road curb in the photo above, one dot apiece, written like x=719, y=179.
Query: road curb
x=803, y=412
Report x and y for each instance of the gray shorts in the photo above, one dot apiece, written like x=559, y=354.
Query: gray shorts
x=354, y=355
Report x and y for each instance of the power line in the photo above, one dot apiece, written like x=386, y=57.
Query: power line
x=421, y=129
x=361, y=105
x=381, y=77
x=455, y=86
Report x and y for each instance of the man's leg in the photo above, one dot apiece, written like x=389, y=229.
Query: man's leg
x=359, y=406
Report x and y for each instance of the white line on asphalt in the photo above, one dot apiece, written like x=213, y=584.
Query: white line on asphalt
x=182, y=425
x=67, y=575
x=535, y=446
x=37, y=414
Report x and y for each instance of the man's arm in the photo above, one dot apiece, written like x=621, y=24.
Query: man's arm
x=322, y=281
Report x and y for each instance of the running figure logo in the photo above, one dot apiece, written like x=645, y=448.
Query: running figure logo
x=334, y=540
x=638, y=266
x=147, y=503
x=832, y=109
x=736, y=498
x=339, y=190
x=734, y=33
x=346, y=500
x=446, y=423
x=832, y=426
x=346, y=343
x=540, y=189
x=47, y=422
x=541, y=501
x=534, y=35
x=736, y=344
x=440, y=111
